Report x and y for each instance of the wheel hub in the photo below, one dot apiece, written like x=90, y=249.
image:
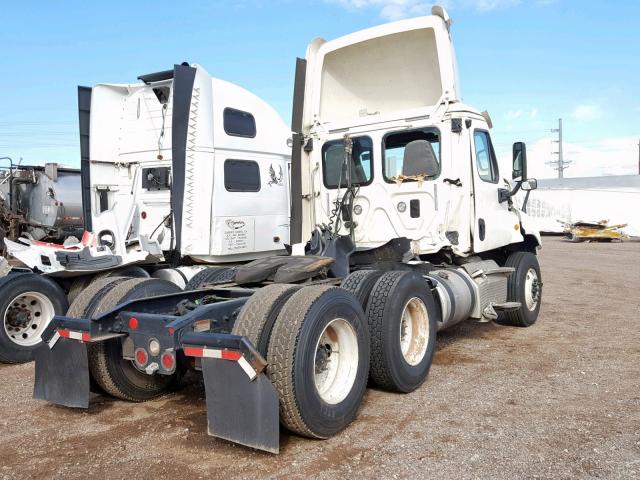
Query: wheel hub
x=323, y=354
x=336, y=361
x=18, y=317
x=414, y=331
x=532, y=289
x=26, y=318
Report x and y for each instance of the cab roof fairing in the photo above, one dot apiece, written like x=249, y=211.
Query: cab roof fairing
x=396, y=67
x=272, y=133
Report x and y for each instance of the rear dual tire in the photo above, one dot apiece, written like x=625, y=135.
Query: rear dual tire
x=118, y=376
x=258, y=316
x=316, y=341
x=110, y=372
x=318, y=360
x=80, y=283
x=402, y=326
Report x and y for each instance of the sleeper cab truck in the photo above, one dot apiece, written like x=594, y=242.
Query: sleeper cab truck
x=401, y=226
x=179, y=172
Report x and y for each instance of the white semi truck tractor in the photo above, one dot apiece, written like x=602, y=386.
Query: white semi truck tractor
x=179, y=171
x=401, y=224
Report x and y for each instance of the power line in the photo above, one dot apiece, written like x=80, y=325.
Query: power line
x=561, y=164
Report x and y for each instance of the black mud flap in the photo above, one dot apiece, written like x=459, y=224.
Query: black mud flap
x=238, y=409
x=62, y=374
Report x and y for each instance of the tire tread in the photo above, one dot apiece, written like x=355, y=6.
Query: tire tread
x=515, y=318
x=378, y=369
x=256, y=313
x=282, y=349
x=211, y=275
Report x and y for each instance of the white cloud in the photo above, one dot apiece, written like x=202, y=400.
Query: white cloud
x=489, y=4
x=397, y=9
x=513, y=114
x=521, y=114
x=587, y=112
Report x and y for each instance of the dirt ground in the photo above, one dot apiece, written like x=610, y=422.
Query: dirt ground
x=558, y=400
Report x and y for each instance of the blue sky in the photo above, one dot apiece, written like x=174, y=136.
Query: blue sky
x=526, y=62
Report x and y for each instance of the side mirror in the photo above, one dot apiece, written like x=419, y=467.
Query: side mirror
x=519, y=164
x=529, y=184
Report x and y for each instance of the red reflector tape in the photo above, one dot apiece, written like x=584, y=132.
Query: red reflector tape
x=193, y=351
x=82, y=336
x=231, y=355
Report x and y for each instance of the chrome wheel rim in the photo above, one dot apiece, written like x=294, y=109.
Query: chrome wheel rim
x=26, y=317
x=531, y=289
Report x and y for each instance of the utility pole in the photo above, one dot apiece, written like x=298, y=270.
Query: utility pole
x=638, y=157
x=561, y=164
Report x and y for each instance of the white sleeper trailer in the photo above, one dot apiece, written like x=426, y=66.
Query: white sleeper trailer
x=179, y=169
x=401, y=224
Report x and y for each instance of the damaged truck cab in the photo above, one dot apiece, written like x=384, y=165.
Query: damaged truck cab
x=422, y=163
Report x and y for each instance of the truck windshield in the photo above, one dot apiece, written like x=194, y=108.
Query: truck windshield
x=334, y=168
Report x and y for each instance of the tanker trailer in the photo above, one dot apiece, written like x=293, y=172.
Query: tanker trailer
x=40, y=203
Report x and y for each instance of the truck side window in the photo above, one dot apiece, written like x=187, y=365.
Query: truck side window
x=241, y=176
x=393, y=147
x=238, y=123
x=334, y=169
x=485, y=157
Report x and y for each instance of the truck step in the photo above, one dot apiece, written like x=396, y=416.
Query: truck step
x=490, y=312
x=506, y=306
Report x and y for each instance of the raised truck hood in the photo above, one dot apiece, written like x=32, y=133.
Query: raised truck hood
x=378, y=72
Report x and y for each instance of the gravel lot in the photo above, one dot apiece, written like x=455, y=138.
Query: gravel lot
x=558, y=400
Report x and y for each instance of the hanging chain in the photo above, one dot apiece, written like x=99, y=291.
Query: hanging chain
x=161, y=137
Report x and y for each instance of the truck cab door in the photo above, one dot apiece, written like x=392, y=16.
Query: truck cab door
x=494, y=224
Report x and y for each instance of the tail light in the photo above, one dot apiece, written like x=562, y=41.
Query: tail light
x=142, y=357
x=168, y=361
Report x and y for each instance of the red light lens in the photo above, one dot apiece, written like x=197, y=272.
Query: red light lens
x=143, y=215
x=168, y=361
x=133, y=323
x=141, y=357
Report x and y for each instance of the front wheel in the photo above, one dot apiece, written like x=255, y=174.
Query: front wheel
x=524, y=286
